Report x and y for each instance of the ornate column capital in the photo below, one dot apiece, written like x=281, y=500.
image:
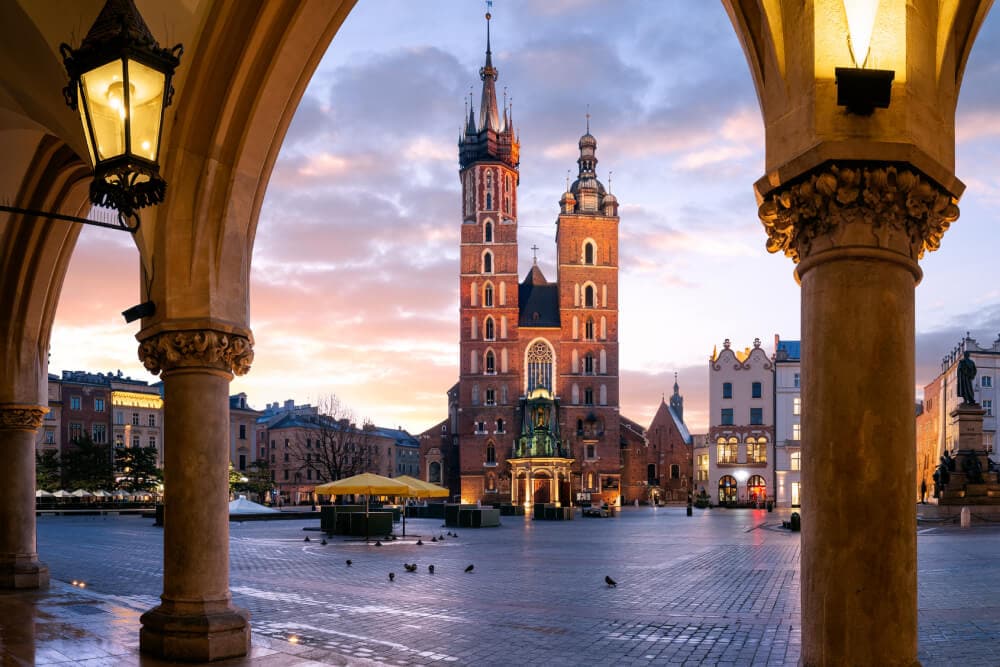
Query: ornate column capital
x=21, y=416
x=892, y=207
x=198, y=348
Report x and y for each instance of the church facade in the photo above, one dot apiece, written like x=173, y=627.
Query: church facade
x=536, y=408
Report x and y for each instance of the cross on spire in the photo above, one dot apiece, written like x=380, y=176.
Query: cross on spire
x=534, y=252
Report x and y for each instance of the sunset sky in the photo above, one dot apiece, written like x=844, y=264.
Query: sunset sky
x=355, y=269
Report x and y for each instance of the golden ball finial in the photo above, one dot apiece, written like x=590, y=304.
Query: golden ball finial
x=488, y=16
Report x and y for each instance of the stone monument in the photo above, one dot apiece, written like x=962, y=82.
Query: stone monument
x=968, y=477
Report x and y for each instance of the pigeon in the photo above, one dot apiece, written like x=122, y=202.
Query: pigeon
x=454, y=534
x=449, y=533
x=392, y=576
x=410, y=568
x=441, y=538
x=430, y=568
x=323, y=542
x=420, y=543
x=610, y=582
x=378, y=543
x=469, y=569
x=434, y=539
x=307, y=539
x=349, y=562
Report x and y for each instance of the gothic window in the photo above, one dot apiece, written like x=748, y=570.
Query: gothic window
x=588, y=253
x=539, y=366
x=491, y=363
x=491, y=397
x=588, y=396
x=488, y=295
x=590, y=480
x=500, y=426
x=491, y=483
x=434, y=472
x=589, y=296
x=489, y=329
x=491, y=453
x=588, y=333
x=488, y=233
x=487, y=262
x=579, y=427
x=507, y=192
x=588, y=364
x=489, y=190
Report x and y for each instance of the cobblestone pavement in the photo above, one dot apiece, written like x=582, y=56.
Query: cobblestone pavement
x=719, y=588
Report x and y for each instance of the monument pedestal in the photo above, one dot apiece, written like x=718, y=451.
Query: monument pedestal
x=970, y=481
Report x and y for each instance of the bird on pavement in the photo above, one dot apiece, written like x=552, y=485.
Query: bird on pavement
x=392, y=576
x=323, y=542
x=610, y=582
x=378, y=543
x=440, y=538
x=307, y=539
x=410, y=568
x=349, y=562
x=449, y=533
x=420, y=543
x=469, y=569
x=430, y=568
x=434, y=539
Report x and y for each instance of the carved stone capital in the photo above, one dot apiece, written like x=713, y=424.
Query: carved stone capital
x=879, y=205
x=21, y=417
x=203, y=348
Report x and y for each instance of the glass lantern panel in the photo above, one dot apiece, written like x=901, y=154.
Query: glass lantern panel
x=103, y=89
x=146, y=108
x=82, y=108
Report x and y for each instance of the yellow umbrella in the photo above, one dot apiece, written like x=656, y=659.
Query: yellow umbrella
x=367, y=483
x=422, y=489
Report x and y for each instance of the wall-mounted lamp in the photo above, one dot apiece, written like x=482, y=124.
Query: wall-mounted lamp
x=120, y=81
x=862, y=90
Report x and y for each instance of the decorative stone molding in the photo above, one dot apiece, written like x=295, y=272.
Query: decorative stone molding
x=197, y=348
x=20, y=417
x=899, y=209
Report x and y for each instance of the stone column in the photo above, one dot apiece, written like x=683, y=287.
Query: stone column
x=196, y=620
x=19, y=565
x=857, y=233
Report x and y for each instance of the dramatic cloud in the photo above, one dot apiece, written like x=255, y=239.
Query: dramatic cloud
x=354, y=284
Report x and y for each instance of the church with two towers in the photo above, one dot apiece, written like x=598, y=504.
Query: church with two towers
x=535, y=415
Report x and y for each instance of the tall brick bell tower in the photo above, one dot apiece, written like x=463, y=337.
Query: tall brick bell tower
x=488, y=367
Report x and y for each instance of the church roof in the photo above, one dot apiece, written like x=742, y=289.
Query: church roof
x=681, y=426
x=539, y=300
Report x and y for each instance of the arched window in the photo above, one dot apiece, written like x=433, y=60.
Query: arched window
x=588, y=363
x=588, y=396
x=588, y=332
x=491, y=363
x=727, y=490
x=726, y=450
x=503, y=294
x=539, y=360
x=588, y=253
x=604, y=362
x=491, y=453
x=757, y=450
x=675, y=471
x=589, y=296
x=487, y=262
x=507, y=193
x=488, y=232
x=434, y=472
x=489, y=190
x=474, y=293
x=491, y=483
x=590, y=480
x=488, y=295
x=489, y=329
x=500, y=426
x=603, y=394
x=756, y=489
x=579, y=427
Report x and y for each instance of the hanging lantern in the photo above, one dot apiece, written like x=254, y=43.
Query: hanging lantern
x=120, y=81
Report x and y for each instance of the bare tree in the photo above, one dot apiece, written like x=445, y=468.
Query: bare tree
x=332, y=445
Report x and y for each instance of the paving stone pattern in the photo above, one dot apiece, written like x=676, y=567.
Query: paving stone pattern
x=718, y=588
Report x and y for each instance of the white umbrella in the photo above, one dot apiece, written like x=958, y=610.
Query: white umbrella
x=42, y=493
x=101, y=493
x=62, y=494
x=82, y=493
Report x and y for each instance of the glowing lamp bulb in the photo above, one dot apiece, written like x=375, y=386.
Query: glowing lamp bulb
x=860, y=24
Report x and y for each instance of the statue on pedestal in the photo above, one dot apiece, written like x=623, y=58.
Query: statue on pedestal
x=966, y=379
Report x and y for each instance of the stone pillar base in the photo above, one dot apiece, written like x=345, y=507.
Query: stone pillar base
x=195, y=632
x=23, y=574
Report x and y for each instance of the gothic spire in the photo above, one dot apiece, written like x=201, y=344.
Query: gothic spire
x=489, y=116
